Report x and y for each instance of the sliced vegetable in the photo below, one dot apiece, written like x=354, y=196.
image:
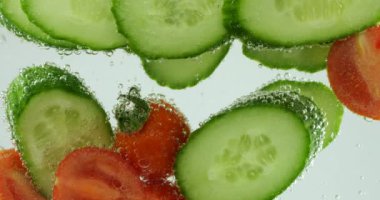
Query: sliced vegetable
x=354, y=72
x=299, y=22
x=153, y=148
x=306, y=58
x=14, y=184
x=85, y=22
x=16, y=20
x=93, y=173
x=323, y=97
x=52, y=113
x=171, y=28
x=187, y=72
x=254, y=150
x=164, y=191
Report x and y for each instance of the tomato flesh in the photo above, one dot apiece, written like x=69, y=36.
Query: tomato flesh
x=165, y=191
x=97, y=174
x=14, y=184
x=354, y=72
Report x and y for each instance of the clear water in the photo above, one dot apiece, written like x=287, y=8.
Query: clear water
x=338, y=171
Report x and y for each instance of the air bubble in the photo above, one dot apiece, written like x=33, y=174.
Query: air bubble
x=3, y=39
x=144, y=164
x=368, y=119
x=109, y=53
x=65, y=52
x=361, y=192
x=90, y=52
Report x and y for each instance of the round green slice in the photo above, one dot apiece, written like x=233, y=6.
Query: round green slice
x=89, y=23
x=52, y=113
x=306, y=58
x=300, y=22
x=323, y=97
x=186, y=72
x=16, y=20
x=254, y=150
x=171, y=28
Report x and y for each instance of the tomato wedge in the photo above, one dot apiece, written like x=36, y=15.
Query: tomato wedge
x=97, y=174
x=354, y=72
x=14, y=184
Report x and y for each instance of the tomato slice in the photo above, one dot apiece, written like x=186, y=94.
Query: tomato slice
x=164, y=191
x=97, y=174
x=354, y=72
x=14, y=184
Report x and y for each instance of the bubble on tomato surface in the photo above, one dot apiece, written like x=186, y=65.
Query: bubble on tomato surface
x=144, y=164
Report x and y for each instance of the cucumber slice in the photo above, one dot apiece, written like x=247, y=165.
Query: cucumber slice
x=16, y=21
x=52, y=113
x=323, y=97
x=86, y=22
x=306, y=58
x=253, y=150
x=299, y=22
x=171, y=28
x=187, y=72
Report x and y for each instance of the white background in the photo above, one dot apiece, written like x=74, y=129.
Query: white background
x=348, y=169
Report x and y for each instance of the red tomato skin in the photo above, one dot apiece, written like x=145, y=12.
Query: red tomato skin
x=97, y=174
x=14, y=182
x=152, y=150
x=347, y=61
x=165, y=191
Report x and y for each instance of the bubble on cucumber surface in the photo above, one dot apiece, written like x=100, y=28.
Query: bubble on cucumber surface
x=303, y=107
x=260, y=47
x=78, y=50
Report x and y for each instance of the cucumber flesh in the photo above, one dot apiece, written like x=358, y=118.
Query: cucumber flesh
x=300, y=22
x=51, y=114
x=171, y=28
x=323, y=97
x=254, y=150
x=16, y=21
x=85, y=22
x=306, y=58
x=186, y=72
